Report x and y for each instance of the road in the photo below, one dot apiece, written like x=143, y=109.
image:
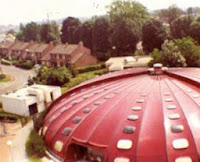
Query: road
x=19, y=78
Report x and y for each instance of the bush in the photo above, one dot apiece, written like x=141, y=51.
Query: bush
x=53, y=76
x=25, y=65
x=38, y=121
x=35, y=146
x=90, y=68
x=169, y=56
x=2, y=76
x=190, y=50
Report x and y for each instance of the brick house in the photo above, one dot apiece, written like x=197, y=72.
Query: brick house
x=19, y=49
x=5, y=48
x=37, y=51
x=69, y=54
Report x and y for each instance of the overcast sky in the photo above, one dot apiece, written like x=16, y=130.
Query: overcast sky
x=16, y=11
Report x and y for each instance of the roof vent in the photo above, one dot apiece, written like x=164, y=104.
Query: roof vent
x=174, y=116
x=177, y=128
x=183, y=159
x=133, y=117
x=129, y=129
x=181, y=143
x=136, y=108
x=86, y=110
x=124, y=144
x=121, y=159
x=157, y=69
x=77, y=119
x=67, y=131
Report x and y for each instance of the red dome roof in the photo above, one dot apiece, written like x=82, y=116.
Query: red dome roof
x=128, y=116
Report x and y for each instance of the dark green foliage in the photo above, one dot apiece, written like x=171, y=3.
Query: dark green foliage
x=53, y=76
x=85, y=33
x=50, y=33
x=25, y=64
x=90, y=68
x=2, y=76
x=35, y=146
x=169, y=56
x=101, y=34
x=153, y=35
x=38, y=121
x=190, y=50
x=69, y=27
x=124, y=38
x=181, y=27
x=30, y=32
x=170, y=14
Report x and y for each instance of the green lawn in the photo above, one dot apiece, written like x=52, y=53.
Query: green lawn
x=81, y=78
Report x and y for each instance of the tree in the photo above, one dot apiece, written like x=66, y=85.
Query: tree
x=170, y=14
x=50, y=33
x=86, y=34
x=124, y=39
x=190, y=50
x=69, y=27
x=169, y=56
x=153, y=35
x=31, y=32
x=194, y=30
x=53, y=76
x=100, y=35
x=181, y=27
x=131, y=11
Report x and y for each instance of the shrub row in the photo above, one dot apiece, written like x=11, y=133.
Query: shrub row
x=90, y=68
x=25, y=65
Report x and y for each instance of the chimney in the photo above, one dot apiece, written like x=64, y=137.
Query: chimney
x=81, y=44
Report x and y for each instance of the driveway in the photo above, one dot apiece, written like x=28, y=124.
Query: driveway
x=18, y=75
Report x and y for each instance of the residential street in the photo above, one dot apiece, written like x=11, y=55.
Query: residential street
x=19, y=78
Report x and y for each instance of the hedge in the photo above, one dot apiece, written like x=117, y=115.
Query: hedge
x=90, y=68
x=35, y=146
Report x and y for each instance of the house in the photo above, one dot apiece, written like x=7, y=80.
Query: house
x=5, y=48
x=37, y=51
x=30, y=100
x=69, y=54
x=19, y=49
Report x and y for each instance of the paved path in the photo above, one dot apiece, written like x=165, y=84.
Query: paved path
x=18, y=146
x=20, y=77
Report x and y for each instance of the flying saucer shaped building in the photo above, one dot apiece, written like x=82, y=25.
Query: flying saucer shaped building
x=128, y=116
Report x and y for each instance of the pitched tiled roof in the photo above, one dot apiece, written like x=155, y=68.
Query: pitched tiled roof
x=20, y=46
x=38, y=47
x=64, y=49
x=6, y=44
x=130, y=116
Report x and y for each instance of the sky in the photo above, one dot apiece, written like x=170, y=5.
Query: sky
x=21, y=11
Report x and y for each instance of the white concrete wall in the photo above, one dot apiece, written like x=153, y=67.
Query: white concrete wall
x=15, y=106
x=56, y=93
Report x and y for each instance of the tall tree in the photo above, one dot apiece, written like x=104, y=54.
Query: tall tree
x=101, y=34
x=170, y=14
x=153, y=35
x=50, y=33
x=124, y=39
x=131, y=11
x=30, y=32
x=181, y=27
x=86, y=34
x=69, y=27
x=127, y=18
